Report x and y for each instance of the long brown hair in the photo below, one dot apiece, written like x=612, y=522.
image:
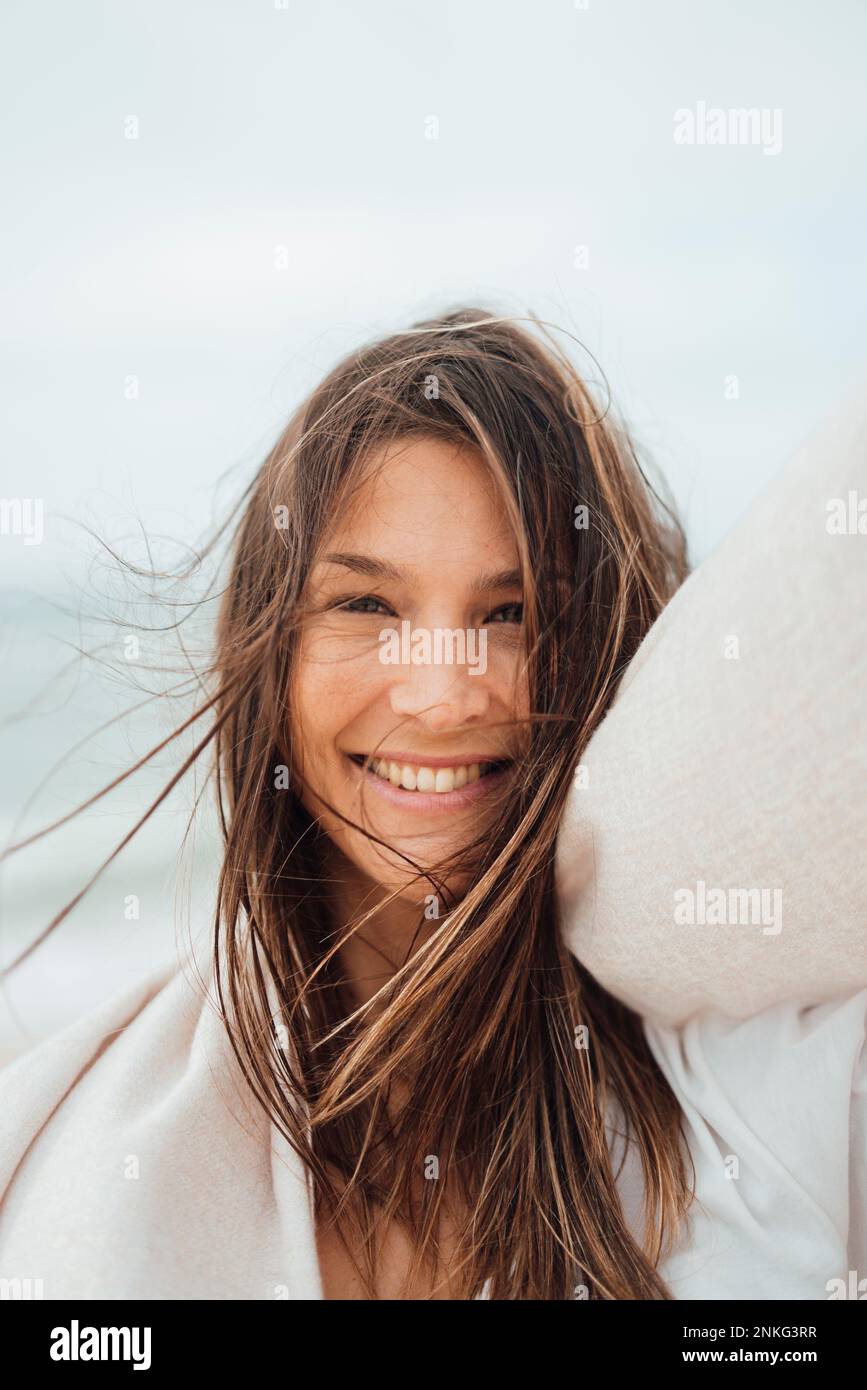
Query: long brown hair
x=521, y=1119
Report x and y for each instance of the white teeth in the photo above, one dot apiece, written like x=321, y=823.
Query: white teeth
x=428, y=779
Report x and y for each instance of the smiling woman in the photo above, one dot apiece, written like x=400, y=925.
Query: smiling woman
x=388, y=964
x=447, y=561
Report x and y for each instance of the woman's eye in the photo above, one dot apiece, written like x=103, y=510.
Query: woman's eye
x=508, y=613
x=363, y=603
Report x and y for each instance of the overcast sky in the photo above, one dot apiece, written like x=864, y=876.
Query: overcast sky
x=308, y=128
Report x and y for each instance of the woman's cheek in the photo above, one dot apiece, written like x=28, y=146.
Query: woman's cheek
x=507, y=676
x=337, y=680
x=332, y=662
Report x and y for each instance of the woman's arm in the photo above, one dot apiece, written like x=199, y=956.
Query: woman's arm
x=717, y=855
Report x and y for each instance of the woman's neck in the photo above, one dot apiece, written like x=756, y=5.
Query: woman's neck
x=388, y=938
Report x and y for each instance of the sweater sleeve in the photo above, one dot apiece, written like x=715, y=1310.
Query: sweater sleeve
x=36, y=1083
x=775, y=1111
x=712, y=850
x=135, y=1162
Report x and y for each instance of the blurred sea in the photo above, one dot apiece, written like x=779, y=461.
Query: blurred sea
x=152, y=895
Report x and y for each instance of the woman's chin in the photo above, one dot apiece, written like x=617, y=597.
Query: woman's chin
x=411, y=888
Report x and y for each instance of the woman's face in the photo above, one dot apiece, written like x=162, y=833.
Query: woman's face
x=412, y=653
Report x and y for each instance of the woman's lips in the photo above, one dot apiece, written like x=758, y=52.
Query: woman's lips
x=430, y=802
x=432, y=759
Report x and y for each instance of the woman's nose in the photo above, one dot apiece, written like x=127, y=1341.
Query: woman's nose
x=441, y=695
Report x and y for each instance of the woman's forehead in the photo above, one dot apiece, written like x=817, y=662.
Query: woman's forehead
x=422, y=491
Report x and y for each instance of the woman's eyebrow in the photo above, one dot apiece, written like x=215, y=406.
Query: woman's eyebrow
x=366, y=564
x=503, y=579
x=375, y=568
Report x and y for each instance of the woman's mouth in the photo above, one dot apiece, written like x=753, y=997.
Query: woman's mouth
x=437, y=785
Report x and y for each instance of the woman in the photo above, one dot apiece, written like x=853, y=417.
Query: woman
x=441, y=573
